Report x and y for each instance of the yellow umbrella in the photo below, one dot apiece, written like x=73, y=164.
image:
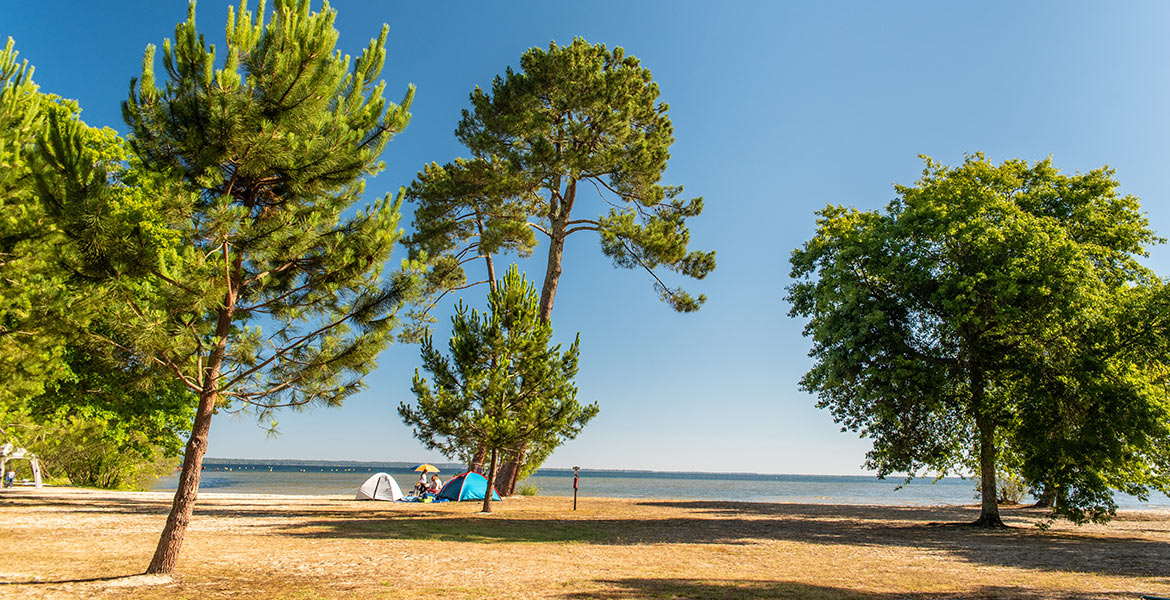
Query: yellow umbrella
x=427, y=468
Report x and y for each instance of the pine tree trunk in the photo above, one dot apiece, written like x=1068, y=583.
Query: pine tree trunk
x=505, y=473
x=552, y=273
x=487, y=258
x=514, y=478
x=491, y=482
x=558, y=228
x=989, y=509
x=477, y=460
x=166, y=554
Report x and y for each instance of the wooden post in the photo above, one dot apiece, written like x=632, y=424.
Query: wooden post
x=575, y=470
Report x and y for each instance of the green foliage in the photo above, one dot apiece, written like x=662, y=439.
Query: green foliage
x=86, y=421
x=1011, y=488
x=577, y=116
x=1098, y=416
x=233, y=254
x=20, y=116
x=105, y=424
x=86, y=450
x=503, y=383
x=573, y=115
x=940, y=325
x=253, y=168
x=31, y=286
x=528, y=489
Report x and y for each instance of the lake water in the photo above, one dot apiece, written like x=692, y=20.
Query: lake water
x=335, y=478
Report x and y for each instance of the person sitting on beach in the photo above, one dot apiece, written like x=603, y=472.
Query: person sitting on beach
x=420, y=488
x=436, y=485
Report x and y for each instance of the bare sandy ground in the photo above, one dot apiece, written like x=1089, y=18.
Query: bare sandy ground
x=70, y=543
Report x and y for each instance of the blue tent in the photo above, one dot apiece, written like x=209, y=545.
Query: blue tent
x=468, y=486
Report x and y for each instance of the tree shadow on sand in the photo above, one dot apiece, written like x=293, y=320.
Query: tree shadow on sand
x=748, y=523
x=728, y=589
x=699, y=522
x=75, y=580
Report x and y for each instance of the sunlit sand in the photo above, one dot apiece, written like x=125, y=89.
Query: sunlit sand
x=67, y=543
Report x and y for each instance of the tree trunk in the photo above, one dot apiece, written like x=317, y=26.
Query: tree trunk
x=514, y=480
x=491, y=481
x=487, y=258
x=1047, y=497
x=509, y=475
x=477, y=460
x=989, y=509
x=559, y=215
x=166, y=554
x=552, y=273
x=510, y=470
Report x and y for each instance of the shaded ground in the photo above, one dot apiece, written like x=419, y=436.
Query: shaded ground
x=74, y=543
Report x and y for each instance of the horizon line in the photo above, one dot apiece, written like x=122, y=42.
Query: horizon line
x=337, y=462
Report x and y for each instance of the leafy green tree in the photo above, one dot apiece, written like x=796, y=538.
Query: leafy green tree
x=936, y=322
x=248, y=276
x=110, y=423
x=1096, y=418
x=116, y=434
x=504, y=384
x=31, y=284
x=578, y=117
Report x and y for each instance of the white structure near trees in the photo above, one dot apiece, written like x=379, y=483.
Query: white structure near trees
x=8, y=452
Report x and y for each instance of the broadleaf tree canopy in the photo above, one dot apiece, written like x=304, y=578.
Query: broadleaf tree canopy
x=938, y=323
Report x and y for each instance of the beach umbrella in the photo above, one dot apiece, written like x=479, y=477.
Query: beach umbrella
x=427, y=468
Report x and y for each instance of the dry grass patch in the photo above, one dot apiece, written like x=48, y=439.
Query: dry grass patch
x=65, y=543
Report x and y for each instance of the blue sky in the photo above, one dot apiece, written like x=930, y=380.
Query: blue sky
x=779, y=108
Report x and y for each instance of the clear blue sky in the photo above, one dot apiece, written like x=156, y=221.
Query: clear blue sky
x=779, y=108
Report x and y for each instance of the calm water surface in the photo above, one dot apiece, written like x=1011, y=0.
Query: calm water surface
x=230, y=477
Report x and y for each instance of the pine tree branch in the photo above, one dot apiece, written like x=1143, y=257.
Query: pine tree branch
x=264, y=306
x=260, y=275
x=177, y=284
x=295, y=344
x=637, y=258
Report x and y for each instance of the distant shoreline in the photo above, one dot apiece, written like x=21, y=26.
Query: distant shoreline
x=459, y=467
x=327, y=477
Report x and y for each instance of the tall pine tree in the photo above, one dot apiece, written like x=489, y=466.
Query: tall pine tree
x=576, y=141
x=274, y=294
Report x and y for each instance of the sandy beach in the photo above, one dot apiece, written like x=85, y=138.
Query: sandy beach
x=71, y=543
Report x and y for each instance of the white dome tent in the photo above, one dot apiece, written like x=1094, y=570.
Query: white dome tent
x=9, y=452
x=380, y=486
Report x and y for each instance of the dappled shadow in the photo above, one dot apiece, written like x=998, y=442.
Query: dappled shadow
x=715, y=589
x=1022, y=547
x=130, y=505
x=747, y=589
x=60, y=581
x=957, y=514
x=931, y=529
